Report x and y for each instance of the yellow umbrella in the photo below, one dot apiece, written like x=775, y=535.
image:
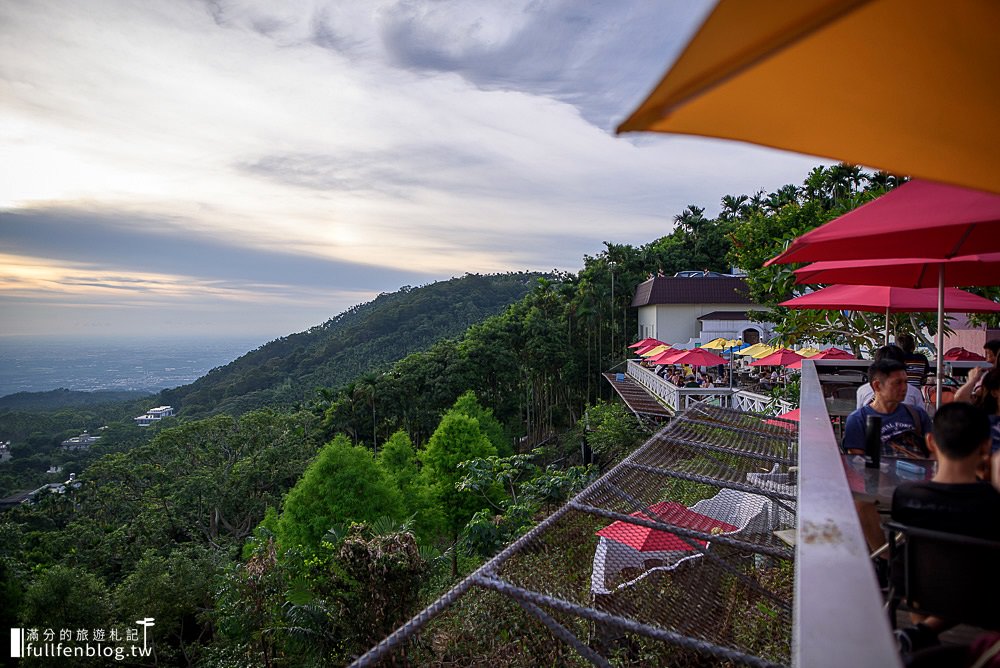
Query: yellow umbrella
x=755, y=348
x=764, y=351
x=655, y=351
x=907, y=86
x=809, y=352
x=715, y=344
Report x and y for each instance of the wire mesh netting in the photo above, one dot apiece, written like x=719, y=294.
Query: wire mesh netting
x=671, y=558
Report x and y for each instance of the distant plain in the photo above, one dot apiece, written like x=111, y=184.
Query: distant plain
x=39, y=364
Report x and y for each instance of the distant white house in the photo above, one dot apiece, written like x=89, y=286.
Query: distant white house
x=81, y=442
x=677, y=309
x=5, y=454
x=155, y=415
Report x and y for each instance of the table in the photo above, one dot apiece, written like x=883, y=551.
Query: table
x=877, y=485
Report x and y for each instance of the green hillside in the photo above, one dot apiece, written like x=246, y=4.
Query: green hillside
x=366, y=337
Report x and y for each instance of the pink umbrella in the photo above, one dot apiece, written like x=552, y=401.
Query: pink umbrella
x=831, y=354
x=962, y=355
x=917, y=219
x=645, y=539
x=780, y=357
x=648, y=342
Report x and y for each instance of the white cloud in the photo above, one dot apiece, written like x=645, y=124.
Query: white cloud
x=439, y=137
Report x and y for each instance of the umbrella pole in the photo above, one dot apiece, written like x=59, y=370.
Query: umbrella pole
x=885, y=341
x=940, y=338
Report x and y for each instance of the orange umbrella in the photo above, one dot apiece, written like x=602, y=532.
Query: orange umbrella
x=785, y=74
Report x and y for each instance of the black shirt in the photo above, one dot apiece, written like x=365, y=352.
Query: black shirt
x=970, y=509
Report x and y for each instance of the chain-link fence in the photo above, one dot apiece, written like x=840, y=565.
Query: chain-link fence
x=671, y=558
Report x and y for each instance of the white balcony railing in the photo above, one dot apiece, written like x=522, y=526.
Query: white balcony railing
x=679, y=398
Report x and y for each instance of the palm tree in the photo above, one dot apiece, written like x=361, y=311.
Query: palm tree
x=366, y=390
x=814, y=188
x=733, y=207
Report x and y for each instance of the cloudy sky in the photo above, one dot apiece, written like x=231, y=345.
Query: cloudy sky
x=252, y=168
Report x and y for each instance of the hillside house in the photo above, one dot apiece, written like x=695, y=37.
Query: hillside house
x=81, y=442
x=677, y=309
x=154, y=415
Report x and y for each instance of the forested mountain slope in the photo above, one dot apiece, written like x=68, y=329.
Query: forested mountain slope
x=365, y=337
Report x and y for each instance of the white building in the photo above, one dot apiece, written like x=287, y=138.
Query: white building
x=155, y=415
x=81, y=442
x=677, y=309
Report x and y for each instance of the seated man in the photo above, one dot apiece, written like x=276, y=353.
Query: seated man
x=902, y=435
x=892, y=352
x=955, y=500
x=903, y=425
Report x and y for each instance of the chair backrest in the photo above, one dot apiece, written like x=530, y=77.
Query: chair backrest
x=949, y=575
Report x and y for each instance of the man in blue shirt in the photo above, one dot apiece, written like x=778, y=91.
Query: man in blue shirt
x=903, y=426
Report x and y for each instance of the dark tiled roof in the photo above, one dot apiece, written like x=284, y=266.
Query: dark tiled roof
x=670, y=290
x=725, y=315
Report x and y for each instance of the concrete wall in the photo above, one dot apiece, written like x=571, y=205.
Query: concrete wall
x=677, y=323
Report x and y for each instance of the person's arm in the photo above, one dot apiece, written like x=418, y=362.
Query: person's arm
x=854, y=434
x=915, y=397
x=964, y=393
x=864, y=395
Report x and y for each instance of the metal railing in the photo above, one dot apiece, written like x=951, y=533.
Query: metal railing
x=681, y=398
x=839, y=619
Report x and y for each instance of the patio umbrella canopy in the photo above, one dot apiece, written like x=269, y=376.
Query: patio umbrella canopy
x=979, y=269
x=763, y=351
x=780, y=357
x=715, y=344
x=917, y=219
x=647, y=342
x=960, y=354
x=655, y=350
x=888, y=299
x=697, y=357
x=831, y=354
x=765, y=73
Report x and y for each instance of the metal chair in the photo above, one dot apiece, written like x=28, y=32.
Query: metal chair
x=947, y=575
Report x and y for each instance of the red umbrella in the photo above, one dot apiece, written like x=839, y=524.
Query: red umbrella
x=981, y=269
x=881, y=298
x=780, y=357
x=695, y=357
x=792, y=415
x=647, y=342
x=665, y=356
x=831, y=354
x=645, y=539
x=917, y=219
x=962, y=355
